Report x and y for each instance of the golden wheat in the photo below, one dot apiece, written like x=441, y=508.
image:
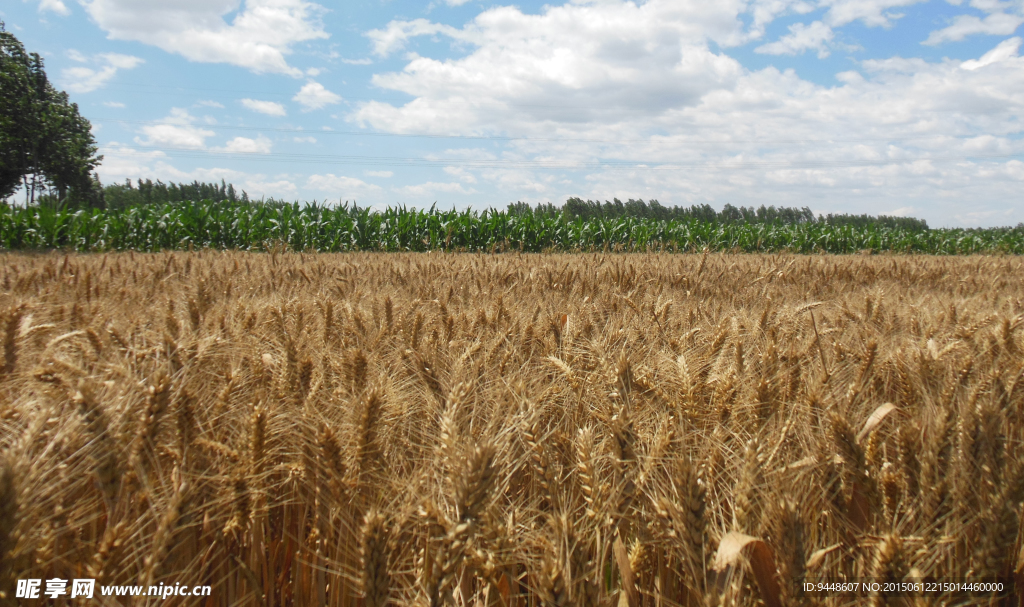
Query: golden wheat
x=511, y=430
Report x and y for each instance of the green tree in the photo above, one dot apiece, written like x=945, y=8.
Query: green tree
x=45, y=144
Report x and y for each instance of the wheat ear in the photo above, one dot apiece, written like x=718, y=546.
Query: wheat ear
x=376, y=580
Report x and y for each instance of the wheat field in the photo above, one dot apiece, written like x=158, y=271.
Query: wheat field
x=516, y=430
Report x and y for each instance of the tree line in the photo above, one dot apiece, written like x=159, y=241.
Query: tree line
x=594, y=209
x=147, y=191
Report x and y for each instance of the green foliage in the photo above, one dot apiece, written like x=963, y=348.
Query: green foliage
x=42, y=135
x=254, y=225
x=120, y=196
x=590, y=209
x=883, y=221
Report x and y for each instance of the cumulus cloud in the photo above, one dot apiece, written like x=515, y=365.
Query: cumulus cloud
x=340, y=185
x=815, y=36
x=818, y=35
x=270, y=108
x=313, y=96
x=397, y=33
x=995, y=24
x=1007, y=49
x=85, y=79
x=304, y=139
x=175, y=131
x=873, y=13
x=55, y=6
x=431, y=188
x=384, y=174
x=258, y=37
x=571, y=63
x=245, y=145
x=114, y=104
x=122, y=162
x=125, y=162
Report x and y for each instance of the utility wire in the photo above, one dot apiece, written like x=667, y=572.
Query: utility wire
x=651, y=139
x=609, y=164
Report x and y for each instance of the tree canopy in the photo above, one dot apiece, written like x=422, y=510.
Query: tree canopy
x=577, y=208
x=147, y=191
x=45, y=144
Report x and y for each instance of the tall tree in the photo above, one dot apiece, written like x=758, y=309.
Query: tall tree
x=45, y=144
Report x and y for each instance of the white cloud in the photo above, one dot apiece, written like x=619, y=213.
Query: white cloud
x=114, y=104
x=123, y=62
x=431, y=188
x=339, y=185
x=207, y=103
x=815, y=36
x=261, y=33
x=270, y=108
x=305, y=139
x=314, y=96
x=124, y=162
x=397, y=33
x=56, y=6
x=245, y=145
x=86, y=80
x=571, y=63
x=259, y=187
x=873, y=13
x=995, y=24
x=175, y=131
x=819, y=35
x=460, y=173
x=455, y=2
x=174, y=136
x=384, y=174
x=1007, y=49
x=313, y=72
x=616, y=22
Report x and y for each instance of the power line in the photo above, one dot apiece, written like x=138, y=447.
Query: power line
x=405, y=97
x=610, y=164
x=648, y=140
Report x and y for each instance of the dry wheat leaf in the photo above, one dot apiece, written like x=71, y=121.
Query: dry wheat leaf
x=875, y=419
x=735, y=547
x=628, y=578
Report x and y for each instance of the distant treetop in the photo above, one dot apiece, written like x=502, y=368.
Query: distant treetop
x=146, y=191
x=591, y=209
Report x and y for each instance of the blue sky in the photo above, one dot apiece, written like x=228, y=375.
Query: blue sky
x=860, y=106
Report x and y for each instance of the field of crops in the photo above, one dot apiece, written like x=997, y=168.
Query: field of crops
x=511, y=430
x=245, y=226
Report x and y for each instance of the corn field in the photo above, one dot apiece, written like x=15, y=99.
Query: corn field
x=512, y=430
x=253, y=226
